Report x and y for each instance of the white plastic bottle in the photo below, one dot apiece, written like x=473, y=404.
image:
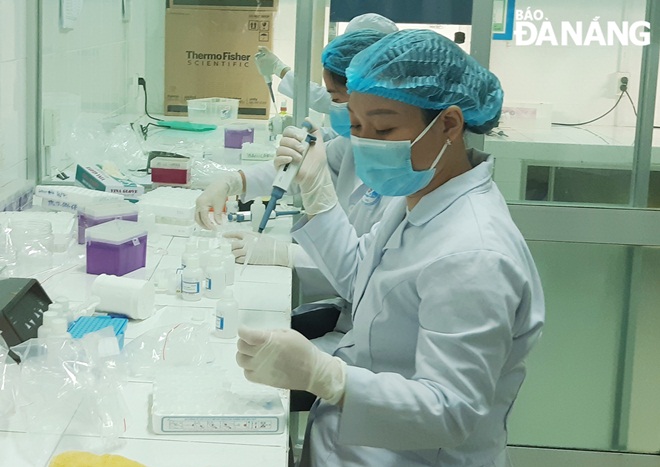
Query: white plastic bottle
x=192, y=280
x=215, y=275
x=226, y=315
x=49, y=319
x=257, y=211
x=54, y=326
x=191, y=249
x=230, y=263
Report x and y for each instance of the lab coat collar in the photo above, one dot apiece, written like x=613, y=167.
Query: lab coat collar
x=442, y=197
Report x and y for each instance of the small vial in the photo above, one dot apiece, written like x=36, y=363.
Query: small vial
x=226, y=315
x=257, y=211
x=192, y=278
x=215, y=275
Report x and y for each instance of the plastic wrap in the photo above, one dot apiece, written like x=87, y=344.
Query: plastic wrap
x=204, y=171
x=73, y=387
x=8, y=379
x=7, y=252
x=178, y=345
x=93, y=143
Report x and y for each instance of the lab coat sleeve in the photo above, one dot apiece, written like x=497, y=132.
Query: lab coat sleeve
x=258, y=180
x=464, y=337
x=312, y=281
x=334, y=155
x=332, y=244
x=319, y=98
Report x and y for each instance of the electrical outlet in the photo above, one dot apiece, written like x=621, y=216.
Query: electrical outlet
x=134, y=86
x=622, y=79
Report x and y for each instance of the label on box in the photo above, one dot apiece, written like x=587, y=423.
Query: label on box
x=96, y=178
x=210, y=52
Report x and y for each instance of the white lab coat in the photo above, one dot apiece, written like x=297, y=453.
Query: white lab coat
x=447, y=303
x=319, y=98
x=363, y=207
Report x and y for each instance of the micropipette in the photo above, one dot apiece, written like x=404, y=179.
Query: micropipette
x=284, y=177
x=267, y=78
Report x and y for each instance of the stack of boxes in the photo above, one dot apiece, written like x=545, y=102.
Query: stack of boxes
x=209, y=52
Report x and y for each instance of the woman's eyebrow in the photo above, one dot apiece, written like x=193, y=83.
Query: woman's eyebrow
x=382, y=112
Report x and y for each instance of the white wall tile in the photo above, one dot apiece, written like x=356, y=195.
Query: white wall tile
x=12, y=111
x=12, y=24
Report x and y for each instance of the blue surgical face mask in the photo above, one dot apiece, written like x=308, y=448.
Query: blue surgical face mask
x=339, y=119
x=386, y=167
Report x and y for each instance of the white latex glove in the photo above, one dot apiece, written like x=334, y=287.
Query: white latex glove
x=265, y=250
x=316, y=188
x=269, y=64
x=225, y=184
x=284, y=358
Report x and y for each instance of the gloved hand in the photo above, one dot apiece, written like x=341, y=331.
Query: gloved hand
x=316, y=188
x=284, y=358
x=269, y=64
x=226, y=184
x=265, y=250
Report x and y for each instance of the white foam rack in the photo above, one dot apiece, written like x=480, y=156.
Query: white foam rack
x=173, y=209
x=213, y=405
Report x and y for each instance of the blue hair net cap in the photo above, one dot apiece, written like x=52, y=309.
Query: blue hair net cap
x=427, y=70
x=338, y=54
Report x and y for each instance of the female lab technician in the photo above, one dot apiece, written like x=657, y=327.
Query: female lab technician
x=447, y=302
x=270, y=64
x=363, y=206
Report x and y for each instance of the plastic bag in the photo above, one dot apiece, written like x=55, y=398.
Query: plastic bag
x=93, y=142
x=8, y=379
x=179, y=345
x=63, y=381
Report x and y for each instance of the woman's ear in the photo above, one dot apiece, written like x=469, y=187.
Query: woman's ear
x=452, y=123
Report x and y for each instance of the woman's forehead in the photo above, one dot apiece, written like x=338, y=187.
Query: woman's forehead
x=369, y=104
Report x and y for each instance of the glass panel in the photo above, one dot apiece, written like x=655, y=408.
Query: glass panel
x=564, y=65
x=93, y=105
x=574, y=395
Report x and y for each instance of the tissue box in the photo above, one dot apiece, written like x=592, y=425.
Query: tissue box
x=171, y=170
x=86, y=324
x=89, y=216
x=97, y=179
x=116, y=247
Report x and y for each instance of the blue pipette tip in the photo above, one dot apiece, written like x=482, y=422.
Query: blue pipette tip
x=276, y=195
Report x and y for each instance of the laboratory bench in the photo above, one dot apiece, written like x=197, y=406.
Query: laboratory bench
x=589, y=164
x=264, y=297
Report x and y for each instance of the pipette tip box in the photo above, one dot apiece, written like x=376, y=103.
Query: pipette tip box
x=86, y=324
x=213, y=405
x=116, y=247
x=89, y=216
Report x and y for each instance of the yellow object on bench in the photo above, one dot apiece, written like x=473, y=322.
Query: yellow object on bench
x=86, y=459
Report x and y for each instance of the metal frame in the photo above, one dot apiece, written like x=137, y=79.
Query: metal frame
x=543, y=457
x=482, y=26
x=302, y=62
x=639, y=190
x=601, y=225
x=33, y=98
